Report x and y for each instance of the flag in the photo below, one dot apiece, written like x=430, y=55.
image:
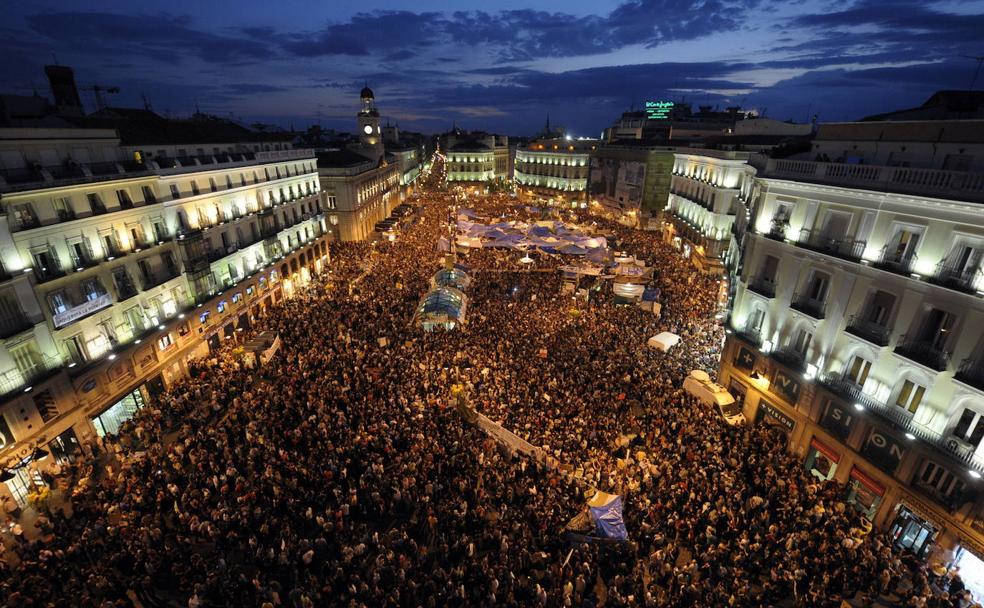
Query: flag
x=606, y=510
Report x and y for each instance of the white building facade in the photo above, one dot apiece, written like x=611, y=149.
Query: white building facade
x=115, y=272
x=858, y=328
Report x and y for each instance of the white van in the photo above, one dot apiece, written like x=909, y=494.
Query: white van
x=699, y=384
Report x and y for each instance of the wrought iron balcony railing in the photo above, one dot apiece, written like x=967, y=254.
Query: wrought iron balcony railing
x=924, y=352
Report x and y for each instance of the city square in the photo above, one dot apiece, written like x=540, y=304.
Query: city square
x=707, y=358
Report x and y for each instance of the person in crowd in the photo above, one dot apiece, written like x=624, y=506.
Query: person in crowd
x=340, y=474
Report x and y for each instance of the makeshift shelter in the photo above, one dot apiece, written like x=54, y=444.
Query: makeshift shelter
x=606, y=511
x=664, y=341
x=442, y=307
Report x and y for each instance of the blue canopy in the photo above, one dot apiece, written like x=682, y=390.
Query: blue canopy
x=606, y=511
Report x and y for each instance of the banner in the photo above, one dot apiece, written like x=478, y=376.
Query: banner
x=606, y=510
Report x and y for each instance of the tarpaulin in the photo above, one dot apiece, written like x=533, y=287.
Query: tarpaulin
x=606, y=511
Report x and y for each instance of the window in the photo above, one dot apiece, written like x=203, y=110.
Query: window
x=940, y=479
x=970, y=427
x=770, y=268
x=175, y=193
x=212, y=185
x=936, y=328
x=801, y=341
x=59, y=302
x=124, y=198
x=879, y=308
x=194, y=188
x=910, y=396
x=903, y=245
x=95, y=203
x=63, y=208
x=242, y=179
x=164, y=342
x=25, y=217
x=228, y=182
x=817, y=287
x=148, y=194
x=92, y=289
x=857, y=371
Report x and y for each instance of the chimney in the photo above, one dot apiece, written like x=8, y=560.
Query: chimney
x=62, y=80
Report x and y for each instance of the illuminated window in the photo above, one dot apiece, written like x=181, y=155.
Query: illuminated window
x=164, y=342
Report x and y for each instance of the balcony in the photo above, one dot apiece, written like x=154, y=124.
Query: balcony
x=762, y=287
x=875, y=333
x=957, y=276
x=924, y=352
x=125, y=290
x=154, y=279
x=16, y=322
x=808, y=305
x=790, y=357
x=892, y=261
x=778, y=230
x=113, y=251
x=39, y=369
x=844, y=248
x=48, y=273
x=898, y=418
x=971, y=372
x=81, y=261
x=752, y=335
x=953, y=185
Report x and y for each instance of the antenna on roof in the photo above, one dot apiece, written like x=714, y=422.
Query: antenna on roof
x=146, y=101
x=979, y=59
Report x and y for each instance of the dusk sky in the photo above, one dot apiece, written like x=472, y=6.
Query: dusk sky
x=500, y=66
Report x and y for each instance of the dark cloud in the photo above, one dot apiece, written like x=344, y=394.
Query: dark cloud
x=524, y=34
x=161, y=37
x=385, y=31
x=400, y=55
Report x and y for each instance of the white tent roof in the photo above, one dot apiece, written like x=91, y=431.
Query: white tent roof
x=664, y=341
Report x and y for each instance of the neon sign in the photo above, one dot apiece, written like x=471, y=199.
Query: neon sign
x=658, y=110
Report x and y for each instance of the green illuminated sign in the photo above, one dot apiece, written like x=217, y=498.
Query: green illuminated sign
x=658, y=110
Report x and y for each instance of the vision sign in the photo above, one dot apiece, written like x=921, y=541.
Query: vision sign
x=884, y=451
x=658, y=110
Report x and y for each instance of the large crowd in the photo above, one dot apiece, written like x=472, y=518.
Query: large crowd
x=340, y=473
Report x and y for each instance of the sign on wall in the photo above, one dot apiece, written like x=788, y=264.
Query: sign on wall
x=838, y=421
x=658, y=110
x=745, y=358
x=883, y=450
x=772, y=415
x=786, y=386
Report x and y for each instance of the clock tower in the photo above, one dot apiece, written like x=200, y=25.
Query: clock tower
x=370, y=134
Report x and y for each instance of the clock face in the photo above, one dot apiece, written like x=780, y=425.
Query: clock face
x=367, y=129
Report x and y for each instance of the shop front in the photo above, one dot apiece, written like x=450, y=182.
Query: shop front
x=821, y=460
x=913, y=528
x=968, y=564
x=113, y=417
x=864, y=493
x=774, y=417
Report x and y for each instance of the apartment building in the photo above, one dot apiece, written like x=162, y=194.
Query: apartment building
x=709, y=192
x=121, y=260
x=476, y=156
x=557, y=168
x=857, y=326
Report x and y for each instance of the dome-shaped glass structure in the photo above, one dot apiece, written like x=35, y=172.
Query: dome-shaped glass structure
x=442, y=307
x=455, y=278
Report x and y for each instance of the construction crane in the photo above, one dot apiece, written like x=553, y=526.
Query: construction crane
x=979, y=59
x=98, y=90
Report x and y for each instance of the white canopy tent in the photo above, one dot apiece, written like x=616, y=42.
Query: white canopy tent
x=664, y=341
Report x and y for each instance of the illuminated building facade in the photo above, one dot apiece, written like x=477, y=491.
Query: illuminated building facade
x=361, y=183
x=856, y=326
x=554, y=168
x=476, y=157
x=123, y=260
x=709, y=190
